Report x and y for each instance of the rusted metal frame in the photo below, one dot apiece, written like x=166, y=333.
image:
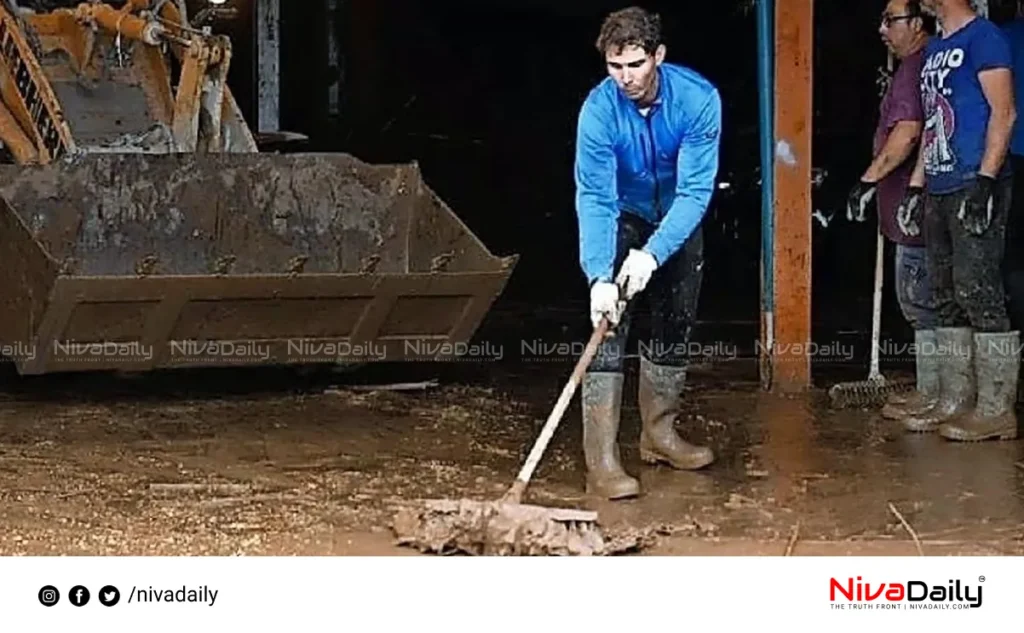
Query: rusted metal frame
x=119, y=21
x=188, y=100
x=173, y=293
x=18, y=109
x=33, y=101
x=212, y=99
x=60, y=30
x=136, y=5
x=385, y=296
x=236, y=135
x=14, y=137
x=155, y=79
x=474, y=312
x=160, y=325
x=204, y=288
x=61, y=305
x=231, y=114
x=794, y=30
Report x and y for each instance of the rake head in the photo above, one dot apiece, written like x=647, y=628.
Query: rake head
x=497, y=528
x=866, y=393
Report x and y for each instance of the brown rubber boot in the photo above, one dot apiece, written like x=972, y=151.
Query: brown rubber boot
x=997, y=362
x=927, y=391
x=957, y=390
x=602, y=402
x=661, y=388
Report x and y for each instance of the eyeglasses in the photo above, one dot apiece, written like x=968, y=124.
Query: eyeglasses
x=887, y=19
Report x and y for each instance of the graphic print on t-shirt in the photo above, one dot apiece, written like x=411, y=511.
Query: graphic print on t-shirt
x=940, y=121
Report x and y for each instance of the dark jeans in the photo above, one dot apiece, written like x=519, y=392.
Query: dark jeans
x=966, y=269
x=672, y=295
x=914, y=288
x=1013, y=261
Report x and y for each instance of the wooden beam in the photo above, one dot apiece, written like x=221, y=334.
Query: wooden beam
x=794, y=42
x=268, y=65
x=333, y=60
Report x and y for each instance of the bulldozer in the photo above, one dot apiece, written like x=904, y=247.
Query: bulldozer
x=142, y=228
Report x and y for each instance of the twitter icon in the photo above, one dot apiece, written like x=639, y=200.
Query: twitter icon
x=109, y=596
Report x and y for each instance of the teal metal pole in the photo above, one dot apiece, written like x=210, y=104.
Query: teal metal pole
x=766, y=99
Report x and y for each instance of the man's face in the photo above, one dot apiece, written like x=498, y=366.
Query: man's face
x=897, y=28
x=634, y=70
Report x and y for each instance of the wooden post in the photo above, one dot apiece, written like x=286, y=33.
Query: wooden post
x=794, y=41
x=333, y=61
x=268, y=65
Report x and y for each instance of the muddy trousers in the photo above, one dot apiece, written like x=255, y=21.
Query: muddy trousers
x=672, y=296
x=1013, y=260
x=978, y=354
x=966, y=269
x=917, y=302
x=914, y=287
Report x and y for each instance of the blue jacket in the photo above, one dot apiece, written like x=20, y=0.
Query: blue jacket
x=613, y=165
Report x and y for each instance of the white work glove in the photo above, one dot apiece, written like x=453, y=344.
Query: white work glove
x=604, y=302
x=857, y=202
x=636, y=271
x=910, y=213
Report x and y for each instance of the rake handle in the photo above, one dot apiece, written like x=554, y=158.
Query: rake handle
x=515, y=493
x=874, y=373
x=876, y=308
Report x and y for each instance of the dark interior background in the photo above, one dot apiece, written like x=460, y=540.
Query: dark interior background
x=485, y=96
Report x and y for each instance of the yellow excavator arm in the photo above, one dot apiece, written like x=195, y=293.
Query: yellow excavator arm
x=93, y=78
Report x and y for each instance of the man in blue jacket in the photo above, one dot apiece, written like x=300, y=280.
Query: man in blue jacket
x=646, y=160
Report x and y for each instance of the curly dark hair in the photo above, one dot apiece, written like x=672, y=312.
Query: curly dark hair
x=632, y=26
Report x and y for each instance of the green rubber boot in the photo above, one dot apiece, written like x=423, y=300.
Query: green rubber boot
x=927, y=392
x=602, y=402
x=661, y=388
x=997, y=363
x=957, y=388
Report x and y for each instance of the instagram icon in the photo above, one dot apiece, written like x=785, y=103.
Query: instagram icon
x=49, y=596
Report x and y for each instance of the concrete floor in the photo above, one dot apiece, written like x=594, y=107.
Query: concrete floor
x=315, y=472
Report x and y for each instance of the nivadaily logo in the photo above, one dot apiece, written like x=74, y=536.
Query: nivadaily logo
x=913, y=594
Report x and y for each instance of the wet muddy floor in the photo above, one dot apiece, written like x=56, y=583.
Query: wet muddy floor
x=252, y=461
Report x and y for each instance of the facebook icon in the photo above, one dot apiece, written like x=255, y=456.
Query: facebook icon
x=79, y=596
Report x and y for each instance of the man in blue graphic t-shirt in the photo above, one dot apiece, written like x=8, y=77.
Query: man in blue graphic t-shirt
x=964, y=179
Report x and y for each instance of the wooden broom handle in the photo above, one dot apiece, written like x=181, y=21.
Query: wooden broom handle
x=515, y=493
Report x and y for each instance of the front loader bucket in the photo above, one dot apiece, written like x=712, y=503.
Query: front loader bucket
x=137, y=262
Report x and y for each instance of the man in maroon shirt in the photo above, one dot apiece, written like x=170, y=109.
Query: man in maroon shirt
x=904, y=29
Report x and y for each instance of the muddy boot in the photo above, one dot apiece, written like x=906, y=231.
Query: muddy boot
x=661, y=388
x=927, y=391
x=602, y=401
x=997, y=363
x=957, y=395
